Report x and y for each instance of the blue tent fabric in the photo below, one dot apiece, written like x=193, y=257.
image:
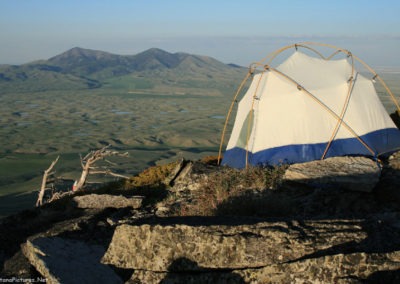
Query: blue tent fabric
x=383, y=142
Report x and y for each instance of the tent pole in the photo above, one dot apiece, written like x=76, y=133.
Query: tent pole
x=381, y=81
x=326, y=108
x=344, y=108
x=340, y=121
x=250, y=121
x=249, y=73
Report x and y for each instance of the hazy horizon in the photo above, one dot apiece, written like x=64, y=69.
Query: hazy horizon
x=230, y=31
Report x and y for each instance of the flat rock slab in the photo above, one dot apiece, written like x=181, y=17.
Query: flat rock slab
x=99, y=201
x=68, y=261
x=194, y=248
x=353, y=173
x=340, y=268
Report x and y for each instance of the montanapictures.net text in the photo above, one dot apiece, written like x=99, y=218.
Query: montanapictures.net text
x=23, y=280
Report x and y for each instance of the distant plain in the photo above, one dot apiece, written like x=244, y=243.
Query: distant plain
x=35, y=128
x=157, y=115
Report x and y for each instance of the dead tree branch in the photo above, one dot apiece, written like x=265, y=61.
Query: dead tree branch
x=91, y=158
x=43, y=188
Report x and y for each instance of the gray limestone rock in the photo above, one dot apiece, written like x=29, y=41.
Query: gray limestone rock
x=312, y=251
x=353, y=173
x=99, y=201
x=191, y=177
x=68, y=261
x=155, y=247
x=338, y=268
x=175, y=172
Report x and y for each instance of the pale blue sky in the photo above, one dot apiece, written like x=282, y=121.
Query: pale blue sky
x=229, y=30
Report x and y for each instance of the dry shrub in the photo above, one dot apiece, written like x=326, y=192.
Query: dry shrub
x=273, y=176
x=234, y=188
x=210, y=160
x=152, y=176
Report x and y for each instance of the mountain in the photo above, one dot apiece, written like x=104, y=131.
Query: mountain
x=155, y=58
x=99, y=64
x=86, y=62
x=153, y=69
x=41, y=77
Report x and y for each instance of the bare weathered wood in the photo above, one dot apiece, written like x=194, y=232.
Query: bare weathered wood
x=90, y=159
x=109, y=172
x=46, y=174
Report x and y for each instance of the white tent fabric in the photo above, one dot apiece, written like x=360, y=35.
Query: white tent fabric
x=278, y=122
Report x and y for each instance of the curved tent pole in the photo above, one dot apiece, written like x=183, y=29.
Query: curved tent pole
x=333, y=54
x=344, y=108
x=273, y=55
x=381, y=81
x=295, y=45
x=301, y=88
x=365, y=65
x=266, y=66
x=249, y=73
x=338, y=49
x=250, y=121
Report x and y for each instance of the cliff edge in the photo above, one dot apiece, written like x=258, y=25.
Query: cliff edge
x=331, y=221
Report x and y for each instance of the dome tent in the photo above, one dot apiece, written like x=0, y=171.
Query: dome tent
x=307, y=108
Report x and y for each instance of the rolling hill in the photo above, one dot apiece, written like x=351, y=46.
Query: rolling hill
x=40, y=77
x=153, y=70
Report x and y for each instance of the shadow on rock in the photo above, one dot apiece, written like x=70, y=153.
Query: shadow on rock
x=383, y=277
x=71, y=248
x=301, y=202
x=184, y=270
x=315, y=200
x=382, y=237
x=15, y=229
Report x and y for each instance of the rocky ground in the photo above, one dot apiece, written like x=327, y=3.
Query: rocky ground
x=331, y=221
